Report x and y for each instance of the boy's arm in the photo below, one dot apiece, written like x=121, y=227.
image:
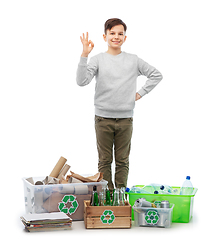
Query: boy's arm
x=152, y=74
x=86, y=72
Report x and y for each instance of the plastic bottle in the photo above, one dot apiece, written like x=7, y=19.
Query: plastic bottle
x=156, y=188
x=162, y=189
x=169, y=189
x=159, y=189
x=165, y=189
x=150, y=188
x=136, y=190
x=187, y=187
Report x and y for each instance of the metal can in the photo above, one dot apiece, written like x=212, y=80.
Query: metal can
x=165, y=204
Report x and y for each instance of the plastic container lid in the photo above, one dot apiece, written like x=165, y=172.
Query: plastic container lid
x=188, y=177
x=127, y=189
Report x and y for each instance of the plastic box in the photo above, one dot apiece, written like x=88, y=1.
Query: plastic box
x=153, y=217
x=68, y=198
x=183, y=209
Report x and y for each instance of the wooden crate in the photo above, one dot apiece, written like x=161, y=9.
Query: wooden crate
x=107, y=216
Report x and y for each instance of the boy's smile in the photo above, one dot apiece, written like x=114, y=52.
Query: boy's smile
x=115, y=37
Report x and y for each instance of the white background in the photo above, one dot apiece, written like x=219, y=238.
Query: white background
x=45, y=115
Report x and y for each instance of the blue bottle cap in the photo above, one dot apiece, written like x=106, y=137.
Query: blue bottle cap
x=188, y=177
x=156, y=192
x=127, y=189
x=162, y=187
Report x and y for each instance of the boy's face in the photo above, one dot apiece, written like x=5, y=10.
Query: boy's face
x=115, y=37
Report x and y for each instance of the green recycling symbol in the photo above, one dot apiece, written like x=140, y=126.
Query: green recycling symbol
x=106, y=213
x=152, y=217
x=74, y=204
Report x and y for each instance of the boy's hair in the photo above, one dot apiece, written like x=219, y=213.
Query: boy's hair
x=110, y=23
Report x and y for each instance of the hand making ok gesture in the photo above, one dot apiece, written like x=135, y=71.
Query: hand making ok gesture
x=88, y=45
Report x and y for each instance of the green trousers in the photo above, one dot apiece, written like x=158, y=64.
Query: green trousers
x=115, y=132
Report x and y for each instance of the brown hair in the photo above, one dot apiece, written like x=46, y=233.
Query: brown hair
x=110, y=23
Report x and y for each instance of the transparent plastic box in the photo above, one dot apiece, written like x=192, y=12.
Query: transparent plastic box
x=68, y=198
x=153, y=217
x=183, y=209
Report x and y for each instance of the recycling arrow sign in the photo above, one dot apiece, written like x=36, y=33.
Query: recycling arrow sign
x=107, y=217
x=63, y=206
x=152, y=217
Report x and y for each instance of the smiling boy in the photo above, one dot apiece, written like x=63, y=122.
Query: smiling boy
x=116, y=74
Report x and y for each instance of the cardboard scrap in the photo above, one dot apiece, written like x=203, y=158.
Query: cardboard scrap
x=63, y=171
x=58, y=167
x=74, y=180
x=46, y=221
x=95, y=178
x=51, y=180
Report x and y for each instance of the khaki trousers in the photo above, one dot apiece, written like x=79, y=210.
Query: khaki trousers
x=115, y=132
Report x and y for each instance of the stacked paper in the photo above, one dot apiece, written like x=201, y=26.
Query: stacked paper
x=47, y=221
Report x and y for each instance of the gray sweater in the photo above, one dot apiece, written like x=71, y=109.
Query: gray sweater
x=116, y=77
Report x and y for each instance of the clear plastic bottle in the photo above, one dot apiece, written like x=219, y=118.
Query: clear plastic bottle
x=150, y=188
x=136, y=190
x=163, y=189
x=166, y=189
x=187, y=187
x=160, y=189
x=157, y=188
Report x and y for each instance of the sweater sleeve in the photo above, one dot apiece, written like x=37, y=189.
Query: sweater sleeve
x=152, y=74
x=86, y=72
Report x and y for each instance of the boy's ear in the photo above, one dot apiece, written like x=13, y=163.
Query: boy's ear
x=125, y=38
x=104, y=37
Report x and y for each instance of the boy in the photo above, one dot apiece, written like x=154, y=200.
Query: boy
x=115, y=95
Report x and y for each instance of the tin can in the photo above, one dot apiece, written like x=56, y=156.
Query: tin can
x=165, y=204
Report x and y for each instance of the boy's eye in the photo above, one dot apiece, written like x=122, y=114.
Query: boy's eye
x=114, y=33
